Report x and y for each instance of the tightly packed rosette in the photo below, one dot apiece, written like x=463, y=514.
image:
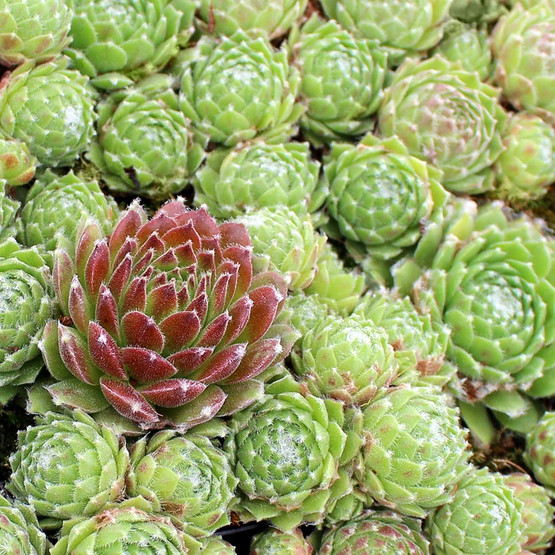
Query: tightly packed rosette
x=32, y=30
x=270, y=19
x=185, y=478
x=17, y=166
x=276, y=542
x=400, y=27
x=237, y=88
x=165, y=320
x=449, y=118
x=19, y=530
x=144, y=145
x=126, y=40
x=523, y=46
x=376, y=533
x=50, y=108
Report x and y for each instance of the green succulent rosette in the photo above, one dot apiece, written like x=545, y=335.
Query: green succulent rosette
x=144, y=145
x=27, y=304
x=19, y=530
x=259, y=175
x=286, y=242
x=116, y=42
x=526, y=168
x=338, y=288
x=276, y=542
x=185, y=478
x=32, y=30
x=478, y=11
x=448, y=117
x=376, y=533
x=483, y=518
x=58, y=204
x=67, y=466
x=523, y=49
x=537, y=513
x=381, y=198
x=8, y=210
x=50, y=108
x=17, y=166
x=401, y=27
x=341, y=80
x=214, y=545
x=540, y=450
x=306, y=312
x=269, y=19
x=348, y=359
x=468, y=45
x=237, y=88
x=286, y=452
x=420, y=343
x=415, y=451
x=124, y=530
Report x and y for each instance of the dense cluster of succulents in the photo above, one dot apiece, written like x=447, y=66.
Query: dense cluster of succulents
x=308, y=333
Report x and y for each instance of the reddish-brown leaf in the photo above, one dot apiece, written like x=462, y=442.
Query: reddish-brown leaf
x=127, y=227
x=80, y=309
x=139, y=330
x=97, y=268
x=162, y=301
x=259, y=356
x=107, y=311
x=173, y=392
x=240, y=313
x=120, y=277
x=189, y=360
x=105, y=352
x=128, y=402
x=135, y=296
x=146, y=366
x=215, y=331
x=75, y=355
x=180, y=329
x=62, y=275
x=182, y=235
x=265, y=300
x=232, y=234
x=222, y=364
x=160, y=224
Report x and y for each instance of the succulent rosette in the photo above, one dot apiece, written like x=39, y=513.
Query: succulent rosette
x=415, y=451
x=127, y=40
x=276, y=542
x=185, y=478
x=306, y=312
x=540, y=450
x=17, y=166
x=376, y=533
x=286, y=452
x=468, y=45
x=448, y=117
x=68, y=466
x=50, y=108
x=348, y=359
x=237, y=88
x=285, y=242
x=526, y=168
x=122, y=531
x=420, y=343
x=337, y=287
x=144, y=145
x=341, y=80
x=8, y=210
x=478, y=11
x=165, y=321
x=537, y=511
x=19, y=530
x=523, y=46
x=258, y=175
x=32, y=30
x=403, y=28
x=56, y=204
x=380, y=196
x=256, y=17
x=27, y=305
x=483, y=518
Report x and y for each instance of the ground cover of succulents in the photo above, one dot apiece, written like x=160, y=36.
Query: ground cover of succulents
x=277, y=277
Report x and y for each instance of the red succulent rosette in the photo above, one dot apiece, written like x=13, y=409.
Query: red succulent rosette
x=165, y=320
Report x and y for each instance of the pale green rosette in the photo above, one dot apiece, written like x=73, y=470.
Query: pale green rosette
x=185, y=478
x=286, y=453
x=448, y=117
x=258, y=175
x=17, y=166
x=341, y=80
x=483, y=518
x=32, y=30
x=276, y=542
x=526, y=168
x=67, y=466
x=540, y=451
x=479, y=11
x=237, y=88
x=27, y=303
x=415, y=451
x=57, y=204
x=50, y=108
x=144, y=145
x=267, y=18
x=19, y=530
x=401, y=27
